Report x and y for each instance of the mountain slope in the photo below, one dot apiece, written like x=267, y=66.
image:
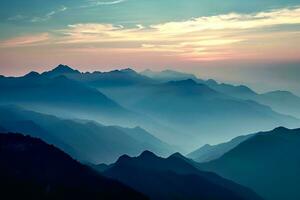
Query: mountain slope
x=268, y=163
x=60, y=95
x=240, y=91
x=32, y=169
x=194, y=110
x=115, y=78
x=208, y=152
x=173, y=178
x=62, y=70
x=281, y=101
x=55, y=93
x=84, y=140
x=171, y=111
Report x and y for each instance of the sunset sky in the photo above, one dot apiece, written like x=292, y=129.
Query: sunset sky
x=252, y=42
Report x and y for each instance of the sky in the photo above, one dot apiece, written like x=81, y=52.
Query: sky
x=243, y=42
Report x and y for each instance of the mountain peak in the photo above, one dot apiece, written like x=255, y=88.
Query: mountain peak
x=177, y=155
x=32, y=74
x=60, y=70
x=63, y=69
x=128, y=70
x=147, y=154
x=145, y=157
x=123, y=158
x=281, y=129
x=211, y=82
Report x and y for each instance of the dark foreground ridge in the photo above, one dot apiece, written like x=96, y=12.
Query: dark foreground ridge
x=174, y=178
x=268, y=163
x=32, y=169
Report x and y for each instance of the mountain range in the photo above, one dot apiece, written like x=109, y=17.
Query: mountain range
x=280, y=101
x=173, y=178
x=136, y=121
x=58, y=95
x=195, y=109
x=267, y=162
x=32, y=169
x=87, y=141
x=124, y=77
x=172, y=108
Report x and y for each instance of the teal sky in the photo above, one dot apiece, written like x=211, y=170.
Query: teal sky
x=16, y=15
x=208, y=37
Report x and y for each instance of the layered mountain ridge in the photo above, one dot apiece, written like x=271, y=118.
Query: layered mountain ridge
x=173, y=178
x=180, y=106
x=32, y=169
x=84, y=140
x=267, y=162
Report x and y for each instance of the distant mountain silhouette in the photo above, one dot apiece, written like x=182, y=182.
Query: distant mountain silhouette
x=61, y=70
x=172, y=111
x=32, y=169
x=208, y=152
x=195, y=109
x=59, y=95
x=171, y=75
x=280, y=101
x=240, y=91
x=84, y=140
x=173, y=178
x=168, y=75
x=124, y=77
x=268, y=163
x=32, y=74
